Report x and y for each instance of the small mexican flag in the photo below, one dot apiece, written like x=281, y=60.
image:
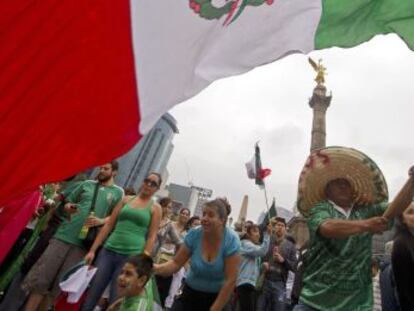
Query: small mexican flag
x=255, y=170
x=83, y=80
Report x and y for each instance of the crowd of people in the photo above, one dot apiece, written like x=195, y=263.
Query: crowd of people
x=149, y=258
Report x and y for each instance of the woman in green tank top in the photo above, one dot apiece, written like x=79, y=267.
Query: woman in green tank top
x=132, y=230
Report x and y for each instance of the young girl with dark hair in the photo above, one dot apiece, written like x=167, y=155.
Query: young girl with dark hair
x=250, y=252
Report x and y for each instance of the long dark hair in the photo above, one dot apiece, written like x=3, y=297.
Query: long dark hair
x=164, y=201
x=401, y=227
x=249, y=229
x=190, y=222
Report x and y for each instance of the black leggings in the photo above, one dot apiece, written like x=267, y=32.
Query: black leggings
x=246, y=295
x=192, y=299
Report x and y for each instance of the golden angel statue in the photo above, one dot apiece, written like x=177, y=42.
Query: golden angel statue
x=320, y=71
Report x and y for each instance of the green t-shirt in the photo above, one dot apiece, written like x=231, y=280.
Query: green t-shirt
x=338, y=271
x=67, y=188
x=106, y=200
x=136, y=303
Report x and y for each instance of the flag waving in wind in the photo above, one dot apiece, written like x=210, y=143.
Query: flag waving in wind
x=255, y=170
x=82, y=80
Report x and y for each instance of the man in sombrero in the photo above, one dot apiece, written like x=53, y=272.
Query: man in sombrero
x=343, y=194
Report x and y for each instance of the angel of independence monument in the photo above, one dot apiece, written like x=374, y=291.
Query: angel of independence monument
x=319, y=102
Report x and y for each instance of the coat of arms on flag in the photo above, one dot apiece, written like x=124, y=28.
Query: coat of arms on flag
x=215, y=9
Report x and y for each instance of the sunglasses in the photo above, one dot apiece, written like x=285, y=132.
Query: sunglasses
x=150, y=183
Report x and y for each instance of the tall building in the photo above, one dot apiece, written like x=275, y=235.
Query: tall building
x=151, y=154
x=191, y=197
x=203, y=195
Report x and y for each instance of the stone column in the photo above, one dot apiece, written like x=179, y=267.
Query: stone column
x=319, y=103
x=243, y=209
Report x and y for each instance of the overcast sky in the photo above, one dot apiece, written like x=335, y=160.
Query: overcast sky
x=372, y=109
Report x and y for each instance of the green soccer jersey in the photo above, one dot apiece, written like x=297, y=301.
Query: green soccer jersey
x=106, y=200
x=136, y=303
x=337, y=273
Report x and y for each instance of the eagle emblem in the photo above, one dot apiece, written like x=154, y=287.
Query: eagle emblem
x=231, y=9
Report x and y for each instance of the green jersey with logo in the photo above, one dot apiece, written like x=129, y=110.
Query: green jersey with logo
x=107, y=198
x=338, y=271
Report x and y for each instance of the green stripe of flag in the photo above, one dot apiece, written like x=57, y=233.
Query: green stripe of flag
x=346, y=23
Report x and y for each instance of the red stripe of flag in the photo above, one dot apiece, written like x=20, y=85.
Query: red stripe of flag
x=264, y=172
x=68, y=96
x=14, y=217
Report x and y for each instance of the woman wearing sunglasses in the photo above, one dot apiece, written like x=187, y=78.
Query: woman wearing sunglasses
x=132, y=230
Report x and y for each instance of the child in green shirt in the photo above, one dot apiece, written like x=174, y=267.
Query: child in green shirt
x=134, y=275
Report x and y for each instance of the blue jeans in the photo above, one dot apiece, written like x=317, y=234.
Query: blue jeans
x=273, y=296
x=302, y=307
x=109, y=266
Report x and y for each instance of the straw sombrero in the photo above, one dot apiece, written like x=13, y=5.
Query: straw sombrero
x=326, y=164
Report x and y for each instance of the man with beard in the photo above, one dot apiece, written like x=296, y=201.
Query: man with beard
x=66, y=248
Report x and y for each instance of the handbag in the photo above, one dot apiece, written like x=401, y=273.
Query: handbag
x=163, y=255
x=93, y=231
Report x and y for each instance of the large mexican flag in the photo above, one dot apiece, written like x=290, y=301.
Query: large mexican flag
x=82, y=80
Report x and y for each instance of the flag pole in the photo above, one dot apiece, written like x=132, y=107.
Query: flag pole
x=255, y=171
x=267, y=202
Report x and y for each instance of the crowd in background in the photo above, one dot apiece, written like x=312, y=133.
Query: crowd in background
x=146, y=255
